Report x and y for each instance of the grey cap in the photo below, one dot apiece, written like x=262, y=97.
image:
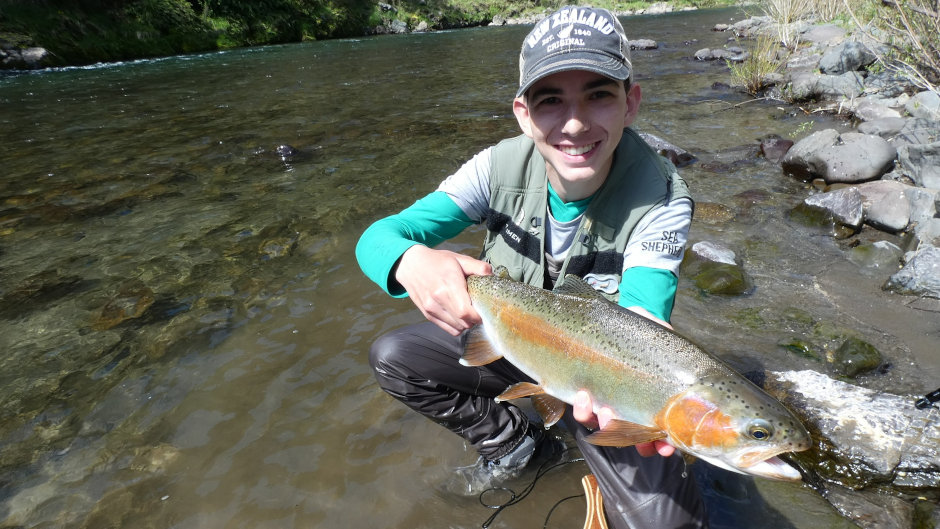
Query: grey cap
x=575, y=38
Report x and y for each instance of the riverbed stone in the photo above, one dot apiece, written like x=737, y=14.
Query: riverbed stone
x=849, y=56
x=886, y=204
x=810, y=85
x=774, y=148
x=921, y=163
x=823, y=33
x=855, y=357
x=878, y=257
x=925, y=105
x=799, y=160
x=845, y=205
x=918, y=131
x=872, y=108
x=849, y=157
x=714, y=269
x=886, y=127
x=920, y=276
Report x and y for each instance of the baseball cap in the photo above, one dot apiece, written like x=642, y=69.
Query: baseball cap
x=575, y=38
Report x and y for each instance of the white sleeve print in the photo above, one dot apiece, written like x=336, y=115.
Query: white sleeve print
x=660, y=237
x=469, y=187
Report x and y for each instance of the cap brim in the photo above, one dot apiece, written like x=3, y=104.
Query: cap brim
x=589, y=61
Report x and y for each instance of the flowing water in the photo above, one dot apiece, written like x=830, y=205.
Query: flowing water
x=184, y=329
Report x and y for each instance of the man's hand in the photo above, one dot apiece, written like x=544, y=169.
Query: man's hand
x=584, y=413
x=436, y=281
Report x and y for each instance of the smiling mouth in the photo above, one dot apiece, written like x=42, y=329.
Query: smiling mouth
x=573, y=150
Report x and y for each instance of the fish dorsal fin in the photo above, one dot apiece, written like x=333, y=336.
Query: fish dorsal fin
x=501, y=272
x=477, y=349
x=522, y=389
x=577, y=287
x=625, y=433
x=549, y=408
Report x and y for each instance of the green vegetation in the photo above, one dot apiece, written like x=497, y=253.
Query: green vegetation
x=88, y=31
x=753, y=73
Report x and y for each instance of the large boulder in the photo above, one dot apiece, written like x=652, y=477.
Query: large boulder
x=921, y=163
x=849, y=56
x=849, y=157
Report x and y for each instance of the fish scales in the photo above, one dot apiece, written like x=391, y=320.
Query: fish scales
x=572, y=339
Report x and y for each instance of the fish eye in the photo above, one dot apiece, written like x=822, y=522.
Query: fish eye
x=759, y=430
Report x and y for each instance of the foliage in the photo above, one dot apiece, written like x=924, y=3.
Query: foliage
x=786, y=13
x=910, y=31
x=752, y=73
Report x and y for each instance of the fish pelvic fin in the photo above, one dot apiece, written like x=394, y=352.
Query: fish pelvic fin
x=477, y=350
x=522, y=389
x=549, y=408
x=625, y=433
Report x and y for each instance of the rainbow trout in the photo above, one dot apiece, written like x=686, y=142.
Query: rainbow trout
x=658, y=384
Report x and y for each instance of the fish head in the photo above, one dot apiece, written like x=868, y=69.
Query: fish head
x=733, y=424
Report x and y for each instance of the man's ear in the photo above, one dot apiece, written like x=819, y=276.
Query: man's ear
x=521, y=110
x=634, y=95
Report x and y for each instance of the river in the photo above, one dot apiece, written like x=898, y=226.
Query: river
x=184, y=329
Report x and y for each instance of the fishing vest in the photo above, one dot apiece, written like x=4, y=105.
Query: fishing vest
x=639, y=181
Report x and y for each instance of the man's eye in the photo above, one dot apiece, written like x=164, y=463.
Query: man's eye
x=601, y=94
x=548, y=101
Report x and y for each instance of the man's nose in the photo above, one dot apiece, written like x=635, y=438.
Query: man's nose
x=576, y=120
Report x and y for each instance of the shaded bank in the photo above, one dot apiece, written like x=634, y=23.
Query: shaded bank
x=44, y=33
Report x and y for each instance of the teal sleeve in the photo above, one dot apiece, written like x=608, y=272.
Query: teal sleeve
x=654, y=289
x=429, y=221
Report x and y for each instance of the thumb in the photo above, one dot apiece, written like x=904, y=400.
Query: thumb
x=474, y=267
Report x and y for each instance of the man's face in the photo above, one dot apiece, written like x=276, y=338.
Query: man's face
x=576, y=119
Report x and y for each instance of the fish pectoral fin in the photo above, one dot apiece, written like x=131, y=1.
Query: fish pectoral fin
x=477, y=349
x=625, y=433
x=549, y=408
x=522, y=389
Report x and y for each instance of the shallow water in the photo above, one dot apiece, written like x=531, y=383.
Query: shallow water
x=184, y=328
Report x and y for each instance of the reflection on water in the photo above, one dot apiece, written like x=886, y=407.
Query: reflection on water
x=182, y=322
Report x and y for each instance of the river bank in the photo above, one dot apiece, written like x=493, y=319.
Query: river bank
x=50, y=33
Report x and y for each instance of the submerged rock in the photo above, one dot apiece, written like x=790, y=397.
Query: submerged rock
x=715, y=270
x=920, y=276
x=874, y=449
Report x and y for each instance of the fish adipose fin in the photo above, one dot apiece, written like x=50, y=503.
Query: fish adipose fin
x=624, y=433
x=477, y=350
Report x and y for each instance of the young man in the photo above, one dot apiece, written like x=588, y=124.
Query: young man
x=580, y=193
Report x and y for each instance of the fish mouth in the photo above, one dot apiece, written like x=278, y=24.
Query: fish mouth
x=773, y=468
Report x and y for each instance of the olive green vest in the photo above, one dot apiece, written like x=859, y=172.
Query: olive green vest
x=639, y=181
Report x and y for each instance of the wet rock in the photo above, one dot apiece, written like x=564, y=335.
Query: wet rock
x=865, y=439
x=879, y=256
x=886, y=204
x=38, y=291
x=714, y=270
x=921, y=163
x=845, y=205
x=924, y=105
x=774, y=148
x=716, y=54
x=920, y=276
x=131, y=301
x=24, y=58
x=643, y=44
x=712, y=213
x=677, y=155
x=848, y=56
x=854, y=357
x=849, y=157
